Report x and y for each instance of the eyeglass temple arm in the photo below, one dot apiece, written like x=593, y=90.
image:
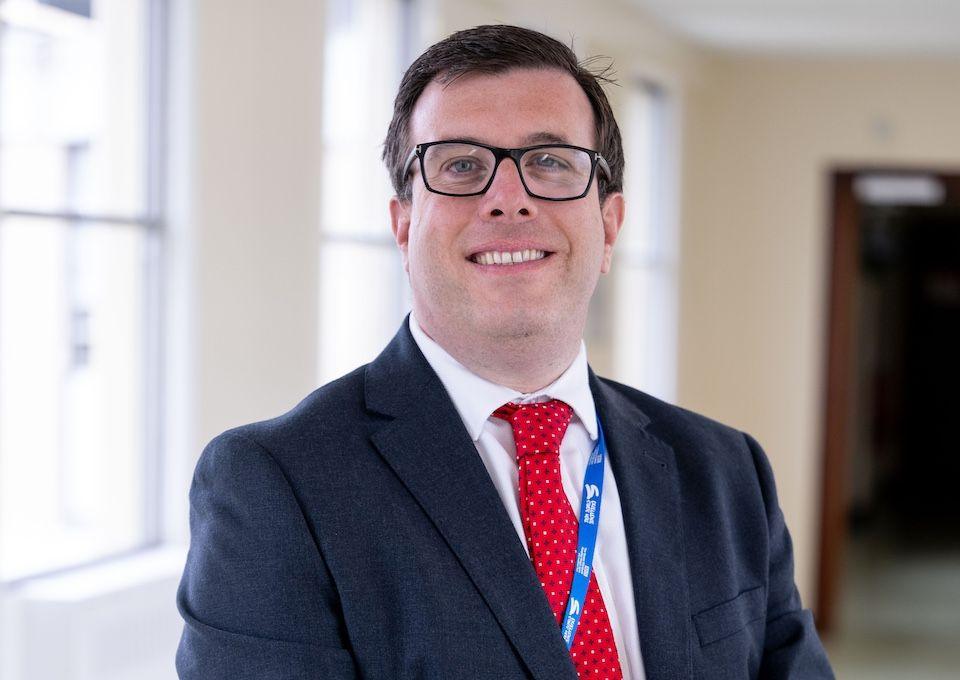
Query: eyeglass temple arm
x=602, y=162
x=413, y=154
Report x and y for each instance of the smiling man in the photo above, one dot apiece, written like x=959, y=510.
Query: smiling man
x=515, y=321
x=476, y=503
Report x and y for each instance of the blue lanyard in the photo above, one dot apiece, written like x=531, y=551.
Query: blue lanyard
x=586, y=537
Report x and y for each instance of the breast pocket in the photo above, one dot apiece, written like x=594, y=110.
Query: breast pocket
x=730, y=617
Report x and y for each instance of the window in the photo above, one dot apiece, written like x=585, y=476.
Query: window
x=632, y=330
x=79, y=246
x=358, y=253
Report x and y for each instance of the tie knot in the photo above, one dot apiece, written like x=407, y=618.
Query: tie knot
x=538, y=427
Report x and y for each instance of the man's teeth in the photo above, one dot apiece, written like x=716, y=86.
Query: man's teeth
x=506, y=257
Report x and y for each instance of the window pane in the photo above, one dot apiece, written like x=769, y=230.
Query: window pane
x=72, y=108
x=633, y=319
x=362, y=303
x=362, y=37
x=81, y=7
x=643, y=134
x=645, y=332
x=71, y=392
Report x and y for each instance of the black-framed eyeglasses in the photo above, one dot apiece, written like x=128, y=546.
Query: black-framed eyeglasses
x=553, y=172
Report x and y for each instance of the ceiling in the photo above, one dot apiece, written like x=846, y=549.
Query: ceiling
x=847, y=27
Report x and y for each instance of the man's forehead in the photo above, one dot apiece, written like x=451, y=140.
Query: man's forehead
x=518, y=107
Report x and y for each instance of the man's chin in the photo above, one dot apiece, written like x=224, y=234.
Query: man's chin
x=514, y=325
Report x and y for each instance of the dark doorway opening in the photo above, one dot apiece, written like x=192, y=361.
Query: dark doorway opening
x=890, y=540
x=910, y=318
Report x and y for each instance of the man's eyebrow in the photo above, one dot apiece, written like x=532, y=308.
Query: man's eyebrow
x=544, y=138
x=532, y=139
x=465, y=138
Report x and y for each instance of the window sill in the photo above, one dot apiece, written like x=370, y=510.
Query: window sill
x=111, y=621
x=112, y=577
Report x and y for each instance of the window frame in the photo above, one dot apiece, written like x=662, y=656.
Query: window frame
x=152, y=223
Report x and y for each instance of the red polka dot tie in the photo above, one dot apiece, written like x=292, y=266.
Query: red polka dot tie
x=550, y=526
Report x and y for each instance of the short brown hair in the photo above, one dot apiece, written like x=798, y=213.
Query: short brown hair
x=495, y=49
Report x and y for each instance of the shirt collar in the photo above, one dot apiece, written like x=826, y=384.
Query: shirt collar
x=476, y=398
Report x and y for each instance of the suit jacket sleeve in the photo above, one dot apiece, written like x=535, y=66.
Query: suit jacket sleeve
x=792, y=648
x=256, y=597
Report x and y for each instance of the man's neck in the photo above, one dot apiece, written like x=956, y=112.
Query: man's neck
x=525, y=364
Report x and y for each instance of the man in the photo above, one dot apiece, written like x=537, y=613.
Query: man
x=434, y=513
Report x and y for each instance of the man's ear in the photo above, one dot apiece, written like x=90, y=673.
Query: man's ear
x=612, y=213
x=400, y=224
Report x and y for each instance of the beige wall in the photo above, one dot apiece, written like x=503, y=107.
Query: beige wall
x=242, y=244
x=613, y=28
x=761, y=135
x=255, y=207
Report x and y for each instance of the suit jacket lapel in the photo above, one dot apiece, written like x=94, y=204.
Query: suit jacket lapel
x=646, y=474
x=429, y=449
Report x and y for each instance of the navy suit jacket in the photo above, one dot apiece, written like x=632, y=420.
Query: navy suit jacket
x=359, y=535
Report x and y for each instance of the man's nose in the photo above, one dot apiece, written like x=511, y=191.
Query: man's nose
x=506, y=197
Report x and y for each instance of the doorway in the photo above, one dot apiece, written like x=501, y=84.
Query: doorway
x=889, y=577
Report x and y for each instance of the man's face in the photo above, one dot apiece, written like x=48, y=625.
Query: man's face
x=440, y=236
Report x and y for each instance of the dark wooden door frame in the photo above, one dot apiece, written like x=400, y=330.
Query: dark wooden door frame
x=841, y=343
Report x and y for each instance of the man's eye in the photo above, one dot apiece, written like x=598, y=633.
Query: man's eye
x=462, y=165
x=549, y=162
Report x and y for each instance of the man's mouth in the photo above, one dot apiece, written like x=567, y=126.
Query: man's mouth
x=508, y=257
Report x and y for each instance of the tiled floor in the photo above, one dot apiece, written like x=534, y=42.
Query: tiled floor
x=900, y=613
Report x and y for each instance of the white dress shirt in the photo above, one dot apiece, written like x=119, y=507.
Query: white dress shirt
x=476, y=399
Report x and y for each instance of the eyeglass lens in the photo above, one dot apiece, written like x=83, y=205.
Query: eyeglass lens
x=550, y=172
